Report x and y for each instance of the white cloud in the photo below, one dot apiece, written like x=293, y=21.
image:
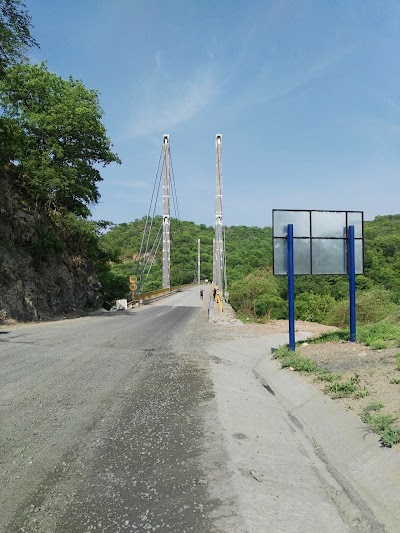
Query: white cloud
x=130, y=184
x=187, y=100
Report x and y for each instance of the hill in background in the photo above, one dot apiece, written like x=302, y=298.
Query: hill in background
x=253, y=290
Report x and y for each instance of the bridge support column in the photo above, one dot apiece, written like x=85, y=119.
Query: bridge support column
x=219, y=247
x=166, y=216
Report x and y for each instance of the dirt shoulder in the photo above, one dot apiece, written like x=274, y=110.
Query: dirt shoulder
x=374, y=370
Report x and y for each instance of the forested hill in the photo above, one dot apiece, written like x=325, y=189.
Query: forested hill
x=247, y=248
x=253, y=289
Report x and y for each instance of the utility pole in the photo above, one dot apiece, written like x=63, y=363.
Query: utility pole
x=198, y=261
x=219, y=248
x=166, y=216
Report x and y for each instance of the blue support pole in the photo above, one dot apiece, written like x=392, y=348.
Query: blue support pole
x=352, y=283
x=292, y=342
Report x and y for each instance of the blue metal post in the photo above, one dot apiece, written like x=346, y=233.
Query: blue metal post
x=292, y=342
x=352, y=283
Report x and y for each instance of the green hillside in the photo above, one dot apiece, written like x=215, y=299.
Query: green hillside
x=247, y=248
x=254, y=291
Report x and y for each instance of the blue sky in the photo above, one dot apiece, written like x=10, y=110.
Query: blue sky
x=306, y=94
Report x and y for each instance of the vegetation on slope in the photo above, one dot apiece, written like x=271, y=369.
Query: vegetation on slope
x=254, y=291
x=52, y=144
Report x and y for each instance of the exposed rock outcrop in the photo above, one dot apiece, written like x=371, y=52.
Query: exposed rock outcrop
x=34, y=285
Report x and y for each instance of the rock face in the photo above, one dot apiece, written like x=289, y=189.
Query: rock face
x=34, y=286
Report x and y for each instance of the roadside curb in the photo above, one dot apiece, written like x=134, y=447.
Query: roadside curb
x=348, y=447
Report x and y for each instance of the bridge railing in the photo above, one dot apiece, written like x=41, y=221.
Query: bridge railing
x=146, y=297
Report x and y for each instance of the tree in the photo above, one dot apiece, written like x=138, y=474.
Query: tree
x=257, y=294
x=15, y=32
x=61, y=139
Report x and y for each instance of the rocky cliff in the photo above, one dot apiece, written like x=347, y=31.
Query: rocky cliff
x=41, y=275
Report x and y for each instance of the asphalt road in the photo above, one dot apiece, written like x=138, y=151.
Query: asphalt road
x=153, y=420
x=100, y=423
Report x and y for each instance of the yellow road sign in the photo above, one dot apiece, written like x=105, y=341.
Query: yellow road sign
x=132, y=286
x=132, y=279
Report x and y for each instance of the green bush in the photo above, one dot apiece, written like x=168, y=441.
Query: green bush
x=371, y=306
x=257, y=294
x=47, y=243
x=113, y=286
x=314, y=307
x=270, y=305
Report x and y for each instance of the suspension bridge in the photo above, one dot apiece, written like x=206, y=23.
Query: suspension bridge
x=157, y=229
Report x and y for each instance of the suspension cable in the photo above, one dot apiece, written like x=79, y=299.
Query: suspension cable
x=148, y=255
x=149, y=226
x=154, y=256
x=148, y=215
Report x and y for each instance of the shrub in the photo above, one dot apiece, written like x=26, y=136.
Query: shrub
x=245, y=296
x=271, y=306
x=314, y=307
x=47, y=243
x=371, y=306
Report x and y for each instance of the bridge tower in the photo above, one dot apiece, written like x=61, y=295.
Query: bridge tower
x=219, y=246
x=198, y=261
x=166, y=216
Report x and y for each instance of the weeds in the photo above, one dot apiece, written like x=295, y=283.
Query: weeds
x=341, y=389
x=289, y=359
x=335, y=336
x=379, y=335
x=376, y=406
x=325, y=375
x=381, y=423
x=344, y=389
x=361, y=393
x=378, y=344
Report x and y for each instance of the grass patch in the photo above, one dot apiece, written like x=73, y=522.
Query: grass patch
x=325, y=375
x=361, y=393
x=379, y=335
x=334, y=336
x=395, y=382
x=397, y=361
x=344, y=389
x=336, y=387
x=381, y=424
x=341, y=389
x=289, y=359
x=378, y=344
x=376, y=406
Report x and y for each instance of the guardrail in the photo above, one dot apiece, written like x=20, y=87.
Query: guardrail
x=146, y=297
